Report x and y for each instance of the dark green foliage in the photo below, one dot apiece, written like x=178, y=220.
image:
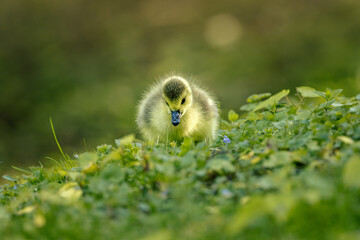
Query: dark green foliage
x=283, y=170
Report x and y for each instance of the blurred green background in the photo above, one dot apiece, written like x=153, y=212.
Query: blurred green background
x=86, y=63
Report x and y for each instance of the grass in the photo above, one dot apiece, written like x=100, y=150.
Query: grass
x=285, y=168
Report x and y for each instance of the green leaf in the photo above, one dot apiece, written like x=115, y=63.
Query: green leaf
x=7, y=177
x=104, y=149
x=329, y=94
x=355, y=109
x=307, y=92
x=221, y=164
x=278, y=158
x=321, y=94
x=345, y=139
x=254, y=116
x=273, y=99
x=233, y=116
x=126, y=140
x=257, y=97
x=86, y=159
x=186, y=145
x=225, y=125
x=248, y=107
x=336, y=92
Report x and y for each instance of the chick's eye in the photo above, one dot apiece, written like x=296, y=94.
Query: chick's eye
x=183, y=101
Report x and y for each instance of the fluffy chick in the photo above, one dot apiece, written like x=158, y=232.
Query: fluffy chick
x=175, y=108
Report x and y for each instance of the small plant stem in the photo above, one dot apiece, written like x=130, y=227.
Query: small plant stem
x=57, y=142
x=289, y=100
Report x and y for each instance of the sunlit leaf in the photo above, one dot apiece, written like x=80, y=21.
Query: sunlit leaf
x=71, y=191
x=257, y=97
x=273, y=99
x=27, y=209
x=233, y=116
x=307, y=92
x=126, y=140
x=345, y=139
x=87, y=162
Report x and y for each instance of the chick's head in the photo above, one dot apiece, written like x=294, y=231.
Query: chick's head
x=177, y=96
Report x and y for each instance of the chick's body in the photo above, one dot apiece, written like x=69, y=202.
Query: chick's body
x=174, y=109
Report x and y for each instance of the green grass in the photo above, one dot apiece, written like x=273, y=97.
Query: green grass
x=286, y=168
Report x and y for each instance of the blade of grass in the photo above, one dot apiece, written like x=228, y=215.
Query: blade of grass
x=56, y=162
x=21, y=170
x=86, y=149
x=64, y=163
x=70, y=162
x=67, y=164
x=57, y=142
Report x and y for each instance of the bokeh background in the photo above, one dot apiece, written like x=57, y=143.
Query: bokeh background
x=86, y=63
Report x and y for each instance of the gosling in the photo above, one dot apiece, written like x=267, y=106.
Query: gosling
x=174, y=109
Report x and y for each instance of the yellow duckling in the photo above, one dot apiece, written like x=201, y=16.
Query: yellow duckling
x=175, y=108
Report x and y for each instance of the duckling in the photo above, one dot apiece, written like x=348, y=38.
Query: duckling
x=175, y=108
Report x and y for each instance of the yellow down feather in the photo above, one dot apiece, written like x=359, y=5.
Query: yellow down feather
x=174, y=108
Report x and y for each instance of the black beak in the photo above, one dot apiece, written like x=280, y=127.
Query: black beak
x=175, y=117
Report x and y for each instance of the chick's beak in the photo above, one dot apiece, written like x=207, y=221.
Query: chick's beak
x=175, y=117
